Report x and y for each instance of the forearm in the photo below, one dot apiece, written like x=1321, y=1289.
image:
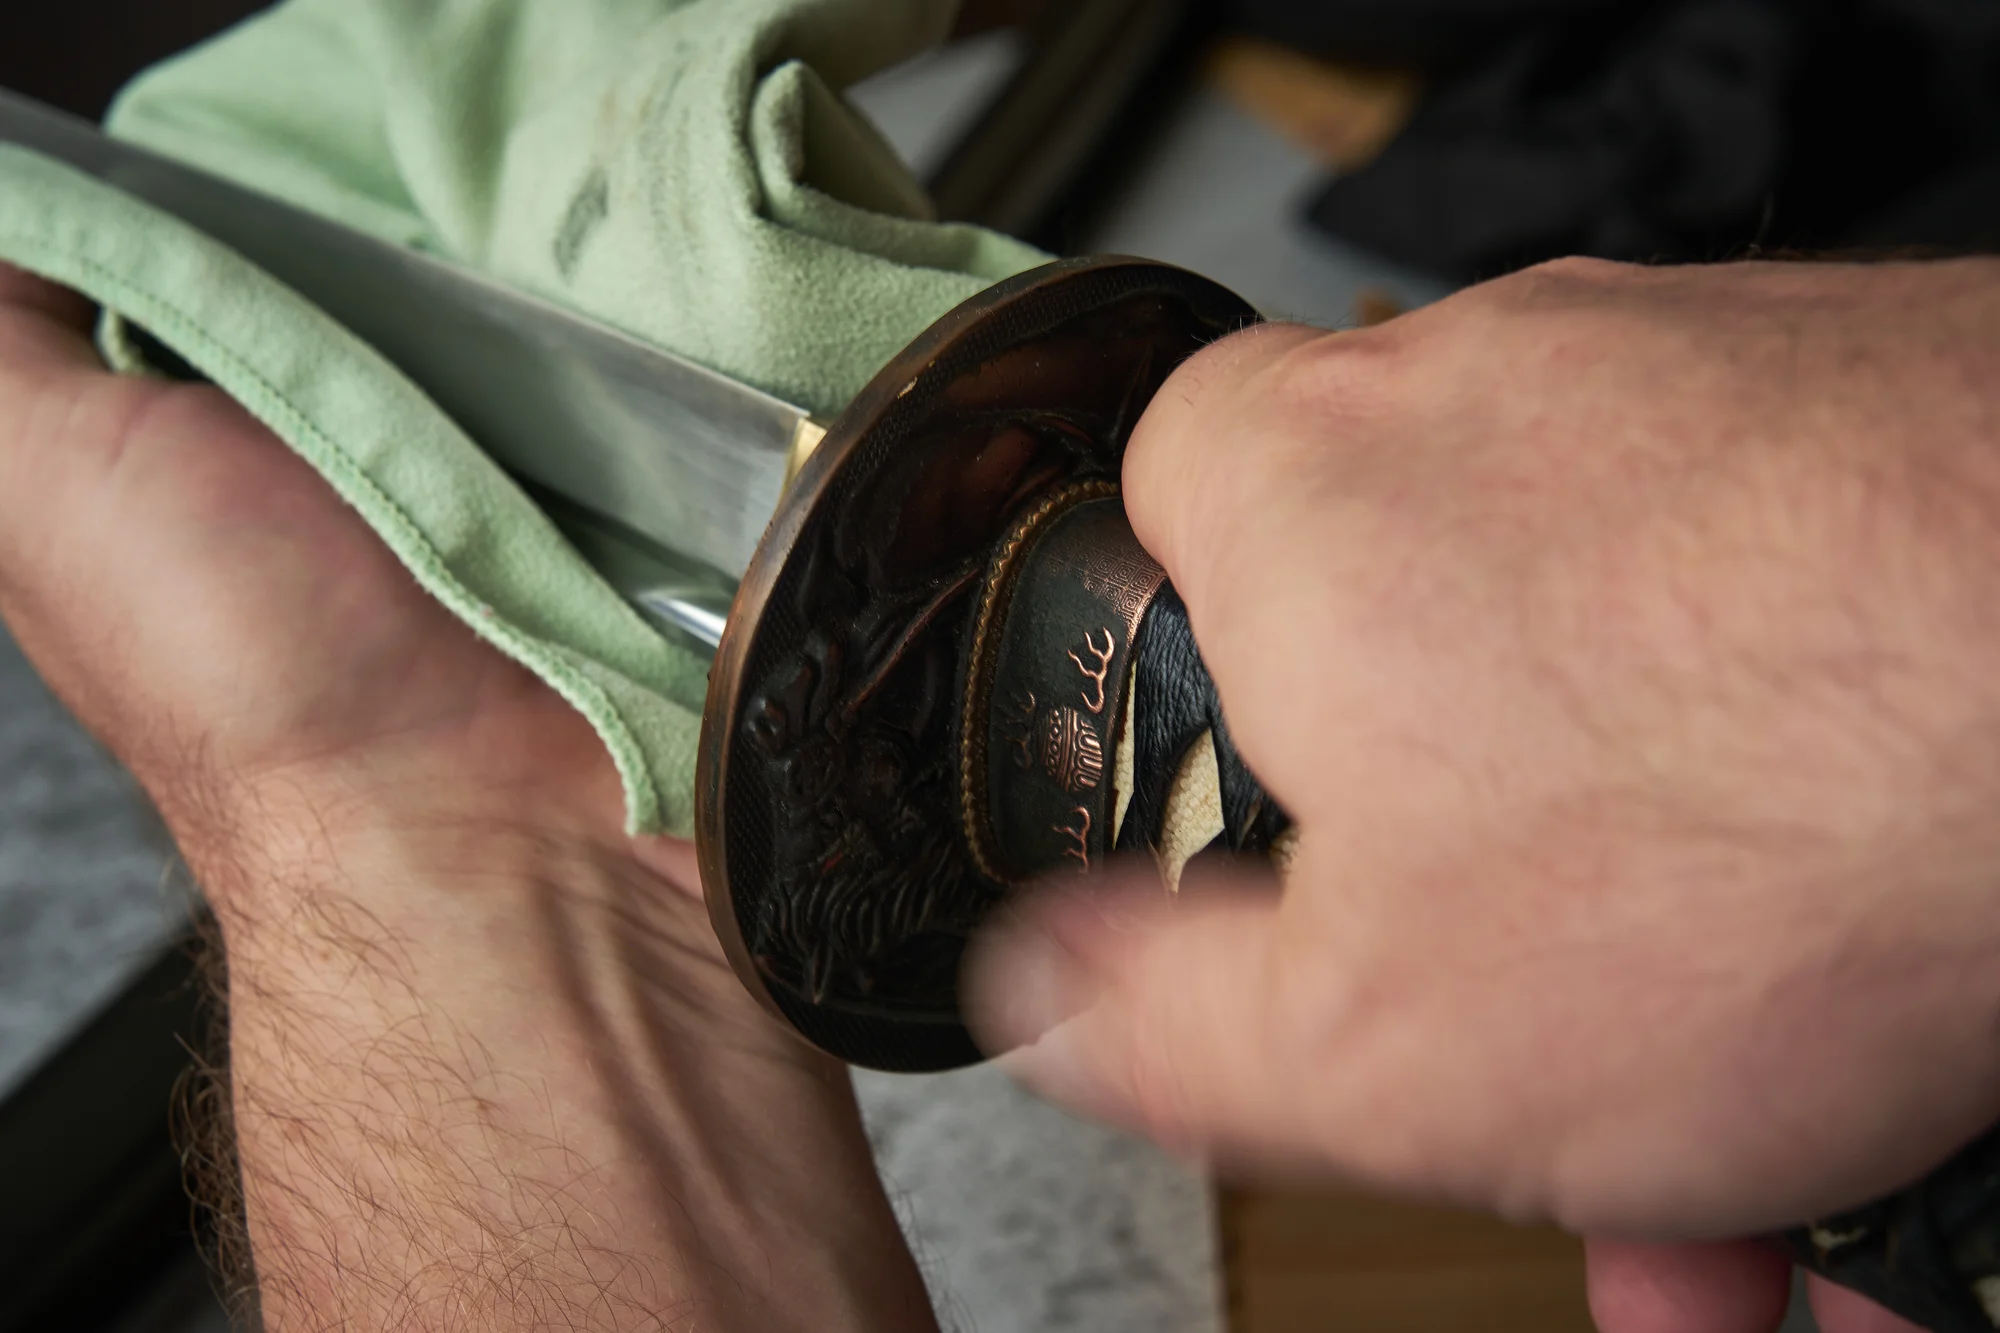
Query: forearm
x=460, y=1101
x=489, y=1067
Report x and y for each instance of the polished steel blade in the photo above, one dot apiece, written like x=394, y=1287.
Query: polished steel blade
x=666, y=472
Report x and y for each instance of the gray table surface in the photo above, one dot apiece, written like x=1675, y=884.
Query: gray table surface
x=86, y=894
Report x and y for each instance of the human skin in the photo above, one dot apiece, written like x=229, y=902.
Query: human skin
x=1624, y=643
x=490, y=1069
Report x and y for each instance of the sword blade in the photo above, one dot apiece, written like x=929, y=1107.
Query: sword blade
x=667, y=472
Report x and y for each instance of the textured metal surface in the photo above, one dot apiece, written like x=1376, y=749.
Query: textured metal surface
x=828, y=787
x=1049, y=663
x=689, y=459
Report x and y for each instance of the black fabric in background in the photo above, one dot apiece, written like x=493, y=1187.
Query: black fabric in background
x=1678, y=129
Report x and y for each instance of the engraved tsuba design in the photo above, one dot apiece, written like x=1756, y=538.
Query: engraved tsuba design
x=917, y=702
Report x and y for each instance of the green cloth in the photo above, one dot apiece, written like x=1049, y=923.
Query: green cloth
x=679, y=168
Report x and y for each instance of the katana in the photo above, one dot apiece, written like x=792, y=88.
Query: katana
x=944, y=665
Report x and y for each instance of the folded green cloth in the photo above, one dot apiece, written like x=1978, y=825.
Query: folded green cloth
x=680, y=168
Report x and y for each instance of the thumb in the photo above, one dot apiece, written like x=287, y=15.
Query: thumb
x=1155, y=1013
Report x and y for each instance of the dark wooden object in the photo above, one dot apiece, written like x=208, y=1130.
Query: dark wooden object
x=91, y=1183
x=1304, y=1263
x=76, y=54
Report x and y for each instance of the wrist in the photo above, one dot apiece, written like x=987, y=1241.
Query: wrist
x=439, y=991
x=488, y=901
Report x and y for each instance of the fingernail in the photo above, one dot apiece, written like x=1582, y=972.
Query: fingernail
x=1027, y=984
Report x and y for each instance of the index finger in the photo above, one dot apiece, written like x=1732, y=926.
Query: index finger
x=1196, y=461
x=41, y=322
x=21, y=290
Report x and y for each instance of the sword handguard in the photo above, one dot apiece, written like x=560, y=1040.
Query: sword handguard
x=921, y=695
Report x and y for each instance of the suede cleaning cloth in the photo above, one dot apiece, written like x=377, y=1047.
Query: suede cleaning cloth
x=682, y=169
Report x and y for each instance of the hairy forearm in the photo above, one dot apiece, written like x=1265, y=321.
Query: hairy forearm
x=466, y=1095
x=489, y=1067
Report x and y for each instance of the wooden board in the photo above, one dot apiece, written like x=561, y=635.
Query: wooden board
x=1344, y=115
x=1303, y=1263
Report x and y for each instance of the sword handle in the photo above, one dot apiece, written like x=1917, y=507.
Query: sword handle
x=1085, y=652
x=1930, y=1253
x=1092, y=725
x=902, y=727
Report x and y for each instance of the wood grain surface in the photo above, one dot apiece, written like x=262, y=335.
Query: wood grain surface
x=1343, y=114
x=1302, y=1263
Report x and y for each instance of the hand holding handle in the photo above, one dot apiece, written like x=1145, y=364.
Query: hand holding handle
x=953, y=670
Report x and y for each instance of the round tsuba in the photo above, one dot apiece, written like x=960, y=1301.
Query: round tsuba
x=846, y=845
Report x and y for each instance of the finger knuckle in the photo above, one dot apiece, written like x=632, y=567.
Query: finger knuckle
x=1577, y=272
x=1231, y=377
x=1301, y=388
x=1559, y=288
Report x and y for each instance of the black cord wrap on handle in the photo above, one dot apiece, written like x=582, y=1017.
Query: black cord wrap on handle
x=1931, y=1253
x=1174, y=703
x=1081, y=640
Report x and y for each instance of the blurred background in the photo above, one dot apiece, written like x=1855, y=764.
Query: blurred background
x=1337, y=161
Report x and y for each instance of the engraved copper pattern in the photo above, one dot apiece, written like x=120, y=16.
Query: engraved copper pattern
x=1000, y=578
x=1081, y=835
x=1072, y=753
x=1057, y=637
x=1127, y=579
x=1099, y=666
x=1020, y=727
